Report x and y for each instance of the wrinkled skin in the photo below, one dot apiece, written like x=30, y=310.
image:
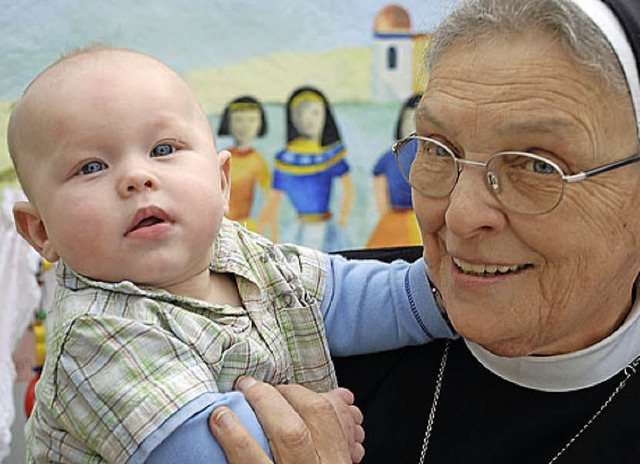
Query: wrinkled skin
x=578, y=262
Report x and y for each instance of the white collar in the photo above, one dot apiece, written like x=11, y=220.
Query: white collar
x=571, y=371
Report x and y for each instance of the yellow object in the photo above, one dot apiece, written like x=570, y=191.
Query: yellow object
x=46, y=265
x=38, y=332
x=243, y=106
x=306, y=96
x=396, y=228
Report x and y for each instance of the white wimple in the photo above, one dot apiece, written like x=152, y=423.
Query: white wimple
x=604, y=18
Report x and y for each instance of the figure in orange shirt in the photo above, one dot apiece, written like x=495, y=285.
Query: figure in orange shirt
x=244, y=120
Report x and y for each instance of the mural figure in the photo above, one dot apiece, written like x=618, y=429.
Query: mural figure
x=305, y=171
x=244, y=120
x=398, y=225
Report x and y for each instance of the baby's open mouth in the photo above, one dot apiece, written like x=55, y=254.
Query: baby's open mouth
x=488, y=270
x=148, y=217
x=147, y=222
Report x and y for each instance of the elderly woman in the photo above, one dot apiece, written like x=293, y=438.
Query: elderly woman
x=527, y=192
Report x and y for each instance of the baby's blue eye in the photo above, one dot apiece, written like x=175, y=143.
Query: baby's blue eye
x=163, y=149
x=92, y=167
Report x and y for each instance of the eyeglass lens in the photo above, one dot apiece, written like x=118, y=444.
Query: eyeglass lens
x=521, y=182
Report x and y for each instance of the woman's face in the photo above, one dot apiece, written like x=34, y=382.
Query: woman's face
x=308, y=118
x=568, y=274
x=244, y=125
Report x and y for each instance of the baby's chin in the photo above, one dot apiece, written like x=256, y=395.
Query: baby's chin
x=109, y=276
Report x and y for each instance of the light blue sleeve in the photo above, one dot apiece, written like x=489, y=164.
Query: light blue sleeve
x=192, y=441
x=368, y=306
x=371, y=306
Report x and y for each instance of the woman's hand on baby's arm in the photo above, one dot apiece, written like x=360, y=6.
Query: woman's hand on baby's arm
x=302, y=426
x=350, y=418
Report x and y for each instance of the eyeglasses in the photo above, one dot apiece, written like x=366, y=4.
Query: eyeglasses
x=522, y=182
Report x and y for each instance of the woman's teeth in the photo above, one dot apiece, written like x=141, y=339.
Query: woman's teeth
x=485, y=269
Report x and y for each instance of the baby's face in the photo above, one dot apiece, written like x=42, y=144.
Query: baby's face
x=129, y=185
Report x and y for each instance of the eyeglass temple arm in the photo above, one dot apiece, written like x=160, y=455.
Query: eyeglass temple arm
x=607, y=167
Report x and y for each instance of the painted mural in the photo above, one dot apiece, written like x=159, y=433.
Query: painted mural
x=244, y=120
x=307, y=96
x=358, y=60
x=398, y=225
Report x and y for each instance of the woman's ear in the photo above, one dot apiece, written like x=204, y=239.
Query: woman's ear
x=30, y=226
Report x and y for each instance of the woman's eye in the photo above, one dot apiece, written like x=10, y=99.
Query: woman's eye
x=441, y=151
x=435, y=150
x=541, y=167
x=163, y=149
x=92, y=167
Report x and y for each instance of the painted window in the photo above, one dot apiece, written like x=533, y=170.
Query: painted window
x=392, y=58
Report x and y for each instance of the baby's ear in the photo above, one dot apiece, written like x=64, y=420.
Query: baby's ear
x=224, y=159
x=30, y=226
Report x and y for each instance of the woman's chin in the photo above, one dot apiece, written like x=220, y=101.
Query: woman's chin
x=498, y=344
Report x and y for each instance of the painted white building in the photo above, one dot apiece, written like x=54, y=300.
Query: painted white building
x=393, y=54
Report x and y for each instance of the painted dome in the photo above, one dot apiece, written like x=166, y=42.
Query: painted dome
x=392, y=18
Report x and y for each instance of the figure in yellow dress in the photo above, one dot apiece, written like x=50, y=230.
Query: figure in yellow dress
x=305, y=171
x=244, y=120
x=397, y=225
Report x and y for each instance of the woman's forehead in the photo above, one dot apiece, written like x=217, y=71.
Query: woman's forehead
x=502, y=94
x=527, y=74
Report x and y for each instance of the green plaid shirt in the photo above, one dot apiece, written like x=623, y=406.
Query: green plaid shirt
x=122, y=359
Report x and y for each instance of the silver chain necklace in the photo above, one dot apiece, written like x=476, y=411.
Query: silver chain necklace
x=628, y=372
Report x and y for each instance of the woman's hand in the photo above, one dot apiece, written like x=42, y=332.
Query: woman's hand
x=302, y=426
x=350, y=418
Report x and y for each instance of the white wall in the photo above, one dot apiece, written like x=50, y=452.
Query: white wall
x=18, y=448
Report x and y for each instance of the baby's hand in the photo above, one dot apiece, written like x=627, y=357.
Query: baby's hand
x=350, y=419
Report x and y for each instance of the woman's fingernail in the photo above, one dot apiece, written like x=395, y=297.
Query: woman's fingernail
x=222, y=418
x=244, y=383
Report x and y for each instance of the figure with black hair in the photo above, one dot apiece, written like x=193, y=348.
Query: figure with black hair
x=397, y=225
x=244, y=119
x=305, y=171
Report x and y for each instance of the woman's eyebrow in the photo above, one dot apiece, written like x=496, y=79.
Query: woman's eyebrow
x=546, y=125
x=537, y=126
x=425, y=114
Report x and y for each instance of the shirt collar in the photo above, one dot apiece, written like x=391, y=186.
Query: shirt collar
x=570, y=371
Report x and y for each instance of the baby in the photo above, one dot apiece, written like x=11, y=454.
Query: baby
x=162, y=303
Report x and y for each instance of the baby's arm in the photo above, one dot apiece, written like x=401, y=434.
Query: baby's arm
x=371, y=306
x=134, y=404
x=192, y=441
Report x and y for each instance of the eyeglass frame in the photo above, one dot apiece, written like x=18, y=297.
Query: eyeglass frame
x=565, y=178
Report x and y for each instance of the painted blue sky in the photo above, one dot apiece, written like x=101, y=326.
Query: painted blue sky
x=187, y=34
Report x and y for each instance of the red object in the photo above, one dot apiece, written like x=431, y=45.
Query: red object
x=30, y=395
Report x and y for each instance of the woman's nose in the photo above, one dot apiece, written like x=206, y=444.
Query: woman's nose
x=472, y=208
